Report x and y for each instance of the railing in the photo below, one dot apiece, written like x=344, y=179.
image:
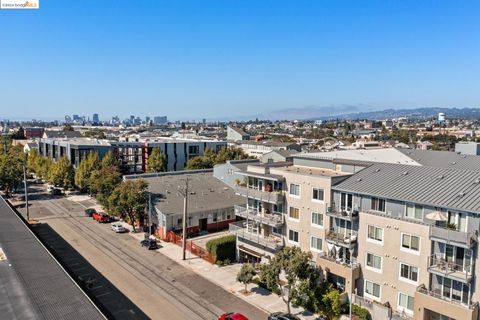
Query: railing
x=451, y=235
x=271, y=219
x=432, y=293
x=349, y=239
x=353, y=265
x=342, y=212
x=449, y=269
x=274, y=196
x=240, y=230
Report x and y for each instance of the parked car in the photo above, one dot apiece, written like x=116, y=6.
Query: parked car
x=56, y=191
x=89, y=212
x=282, y=316
x=150, y=244
x=118, y=228
x=232, y=316
x=101, y=217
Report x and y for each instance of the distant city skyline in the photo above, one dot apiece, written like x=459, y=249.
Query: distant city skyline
x=237, y=60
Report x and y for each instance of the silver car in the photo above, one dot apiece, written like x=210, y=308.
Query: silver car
x=118, y=228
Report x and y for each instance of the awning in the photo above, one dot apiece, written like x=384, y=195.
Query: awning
x=271, y=177
x=250, y=251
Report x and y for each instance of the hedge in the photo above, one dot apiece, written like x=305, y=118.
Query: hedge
x=361, y=312
x=223, y=248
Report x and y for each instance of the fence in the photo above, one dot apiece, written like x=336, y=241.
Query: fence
x=377, y=310
x=191, y=247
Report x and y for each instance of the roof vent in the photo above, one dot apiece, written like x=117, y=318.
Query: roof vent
x=359, y=179
x=454, y=162
x=405, y=173
x=476, y=181
x=461, y=194
x=378, y=170
x=441, y=176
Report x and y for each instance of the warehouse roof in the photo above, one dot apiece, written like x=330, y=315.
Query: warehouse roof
x=438, y=187
x=33, y=285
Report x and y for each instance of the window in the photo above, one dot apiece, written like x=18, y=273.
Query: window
x=230, y=171
x=410, y=242
x=294, y=213
x=414, y=211
x=317, y=219
x=374, y=261
x=405, y=301
x=375, y=233
x=408, y=272
x=378, y=204
x=294, y=189
x=316, y=243
x=346, y=201
x=317, y=194
x=293, y=235
x=193, y=149
x=372, y=289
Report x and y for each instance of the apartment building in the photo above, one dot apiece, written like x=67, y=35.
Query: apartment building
x=401, y=238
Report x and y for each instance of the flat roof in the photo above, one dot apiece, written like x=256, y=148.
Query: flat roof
x=311, y=171
x=205, y=192
x=33, y=285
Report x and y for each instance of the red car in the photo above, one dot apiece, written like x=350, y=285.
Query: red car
x=101, y=217
x=232, y=316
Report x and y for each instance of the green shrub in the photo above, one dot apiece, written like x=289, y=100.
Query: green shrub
x=361, y=312
x=223, y=248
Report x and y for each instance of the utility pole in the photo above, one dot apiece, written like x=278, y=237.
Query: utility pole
x=149, y=214
x=26, y=191
x=184, y=192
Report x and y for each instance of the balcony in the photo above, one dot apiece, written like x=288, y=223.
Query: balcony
x=442, y=267
x=430, y=301
x=340, y=238
x=350, y=272
x=451, y=236
x=275, y=219
x=343, y=213
x=274, y=196
x=239, y=229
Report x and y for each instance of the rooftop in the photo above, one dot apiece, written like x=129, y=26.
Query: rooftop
x=205, y=192
x=438, y=187
x=33, y=285
x=443, y=159
x=310, y=171
x=386, y=155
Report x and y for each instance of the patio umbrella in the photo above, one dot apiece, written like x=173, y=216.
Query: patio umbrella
x=437, y=216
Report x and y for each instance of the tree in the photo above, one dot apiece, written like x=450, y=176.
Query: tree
x=199, y=162
x=129, y=200
x=156, y=161
x=332, y=305
x=246, y=274
x=85, y=169
x=295, y=267
x=33, y=159
x=62, y=173
x=11, y=171
x=211, y=158
x=103, y=181
x=109, y=160
x=67, y=127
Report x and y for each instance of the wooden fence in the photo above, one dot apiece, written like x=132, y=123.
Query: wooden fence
x=191, y=247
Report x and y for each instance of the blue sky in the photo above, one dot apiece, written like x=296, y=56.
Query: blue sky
x=233, y=58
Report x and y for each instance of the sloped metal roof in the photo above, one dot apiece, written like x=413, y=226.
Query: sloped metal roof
x=443, y=159
x=434, y=186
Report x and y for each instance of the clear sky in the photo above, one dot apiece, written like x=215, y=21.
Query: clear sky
x=233, y=58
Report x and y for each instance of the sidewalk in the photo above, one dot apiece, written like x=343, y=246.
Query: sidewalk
x=225, y=278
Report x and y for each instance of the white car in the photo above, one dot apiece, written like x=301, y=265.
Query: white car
x=118, y=228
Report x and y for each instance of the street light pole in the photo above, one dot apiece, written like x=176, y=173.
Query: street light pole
x=351, y=287
x=149, y=214
x=26, y=191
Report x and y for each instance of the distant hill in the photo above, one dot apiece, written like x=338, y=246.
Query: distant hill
x=417, y=113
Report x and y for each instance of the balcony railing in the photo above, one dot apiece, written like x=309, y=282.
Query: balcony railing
x=440, y=266
x=453, y=236
x=240, y=230
x=275, y=196
x=339, y=237
x=349, y=264
x=342, y=212
x=272, y=219
x=438, y=295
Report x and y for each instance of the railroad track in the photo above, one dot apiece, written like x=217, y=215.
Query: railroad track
x=160, y=282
